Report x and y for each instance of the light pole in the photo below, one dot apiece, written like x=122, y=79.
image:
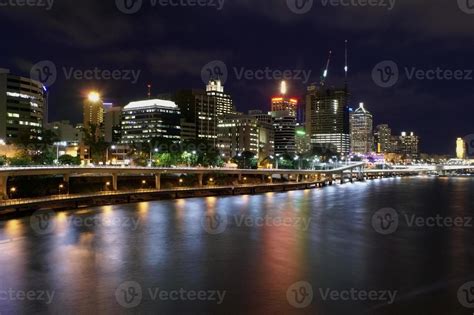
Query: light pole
x=151, y=153
x=107, y=153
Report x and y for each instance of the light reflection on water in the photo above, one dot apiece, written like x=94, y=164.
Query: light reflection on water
x=164, y=244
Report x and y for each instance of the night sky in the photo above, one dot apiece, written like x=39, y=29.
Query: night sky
x=170, y=46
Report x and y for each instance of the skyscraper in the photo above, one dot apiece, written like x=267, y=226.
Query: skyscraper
x=327, y=117
x=361, y=131
x=460, y=148
x=284, y=121
x=224, y=103
x=93, y=110
x=409, y=144
x=383, y=135
x=237, y=134
x=199, y=113
x=22, y=104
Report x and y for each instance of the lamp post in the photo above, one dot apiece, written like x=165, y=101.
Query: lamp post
x=151, y=153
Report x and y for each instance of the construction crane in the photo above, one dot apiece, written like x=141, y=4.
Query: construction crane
x=325, y=73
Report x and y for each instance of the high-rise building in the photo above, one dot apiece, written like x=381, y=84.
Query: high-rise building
x=22, y=104
x=284, y=121
x=237, y=134
x=327, y=117
x=65, y=131
x=383, y=135
x=266, y=133
x=198, y=110
x=284, y=127
x=144, y=121
x=409, y=144
x=361, y=124
x=224, y=103
x=93, y=111
x=302, y=140
x=460, y=148
x=112, y=124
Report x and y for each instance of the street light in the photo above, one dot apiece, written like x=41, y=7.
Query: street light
x=12, y=191
x=151, y=152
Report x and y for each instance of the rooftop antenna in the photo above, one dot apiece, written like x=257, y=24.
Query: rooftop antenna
x=325, y=73
x=149, y=91
x=346, y=68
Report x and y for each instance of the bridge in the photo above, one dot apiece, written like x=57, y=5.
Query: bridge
x=114, y=172
x=321, y=172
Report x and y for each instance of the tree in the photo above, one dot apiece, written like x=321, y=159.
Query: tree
x=21, y=159
x=67, y=159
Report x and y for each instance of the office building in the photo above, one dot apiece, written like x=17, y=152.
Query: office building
x=284, y=127
x=361, y=124
x=147, y=120
x=302, y=140
x=409, y=144
x=65, y=131
x=93, y=111
x=327, y=117
x=224, y=103
x=283, y=112
x=199, y=111
x=383, y=135
x=112, y=124
x=238, y=134
x=266, y=140
x=22, y=104
x=460, y=148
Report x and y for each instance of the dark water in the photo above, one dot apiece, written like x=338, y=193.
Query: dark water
x=175, y=257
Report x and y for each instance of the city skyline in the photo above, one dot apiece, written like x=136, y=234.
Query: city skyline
x=147, y=43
